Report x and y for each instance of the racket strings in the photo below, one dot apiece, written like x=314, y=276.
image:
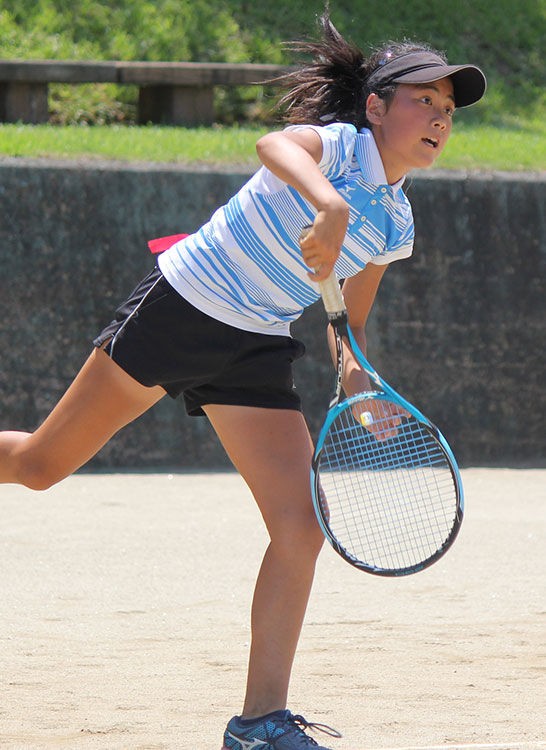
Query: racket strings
x=391, y=502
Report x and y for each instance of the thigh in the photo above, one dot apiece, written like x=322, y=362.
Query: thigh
x=272, y=450
x=100, y=401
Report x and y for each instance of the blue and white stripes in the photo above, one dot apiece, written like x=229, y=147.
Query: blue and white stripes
x=244, y=266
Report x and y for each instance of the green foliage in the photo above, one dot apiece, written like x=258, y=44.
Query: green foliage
x=92, y=104
x=128, y=30
x=504, y=37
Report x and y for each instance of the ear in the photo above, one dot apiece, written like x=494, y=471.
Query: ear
x=375, y=109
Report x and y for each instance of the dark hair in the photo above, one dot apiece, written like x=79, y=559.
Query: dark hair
x=333, y=87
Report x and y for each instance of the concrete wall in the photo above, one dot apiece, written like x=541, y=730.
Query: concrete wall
x=459, y=328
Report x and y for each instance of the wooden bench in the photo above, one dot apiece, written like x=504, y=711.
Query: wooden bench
x=174, y=93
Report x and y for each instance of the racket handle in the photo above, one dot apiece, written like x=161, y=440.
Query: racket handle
x=329, y=288
x=331, y=295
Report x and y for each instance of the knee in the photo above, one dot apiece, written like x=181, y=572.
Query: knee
x=301, y=539
x=310, y=533
x=314, y=539
x=35, y=474
x=39, y=482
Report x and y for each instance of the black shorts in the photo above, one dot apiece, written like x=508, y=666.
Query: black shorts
x=159, y=338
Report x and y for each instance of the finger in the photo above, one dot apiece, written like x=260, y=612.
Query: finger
x=312, y=259
x=321, y=272
x=305, y=232
x=381, y=428
x=383, y=433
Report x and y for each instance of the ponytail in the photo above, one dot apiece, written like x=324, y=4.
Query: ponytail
x=334, y=86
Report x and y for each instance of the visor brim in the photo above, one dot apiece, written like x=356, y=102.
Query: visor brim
x=469, y=82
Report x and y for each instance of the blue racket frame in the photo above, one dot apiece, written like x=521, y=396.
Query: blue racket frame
x=337, y=316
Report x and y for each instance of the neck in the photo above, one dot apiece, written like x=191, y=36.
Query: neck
x=394, y=171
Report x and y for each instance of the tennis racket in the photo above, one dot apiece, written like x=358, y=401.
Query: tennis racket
x=386, y=487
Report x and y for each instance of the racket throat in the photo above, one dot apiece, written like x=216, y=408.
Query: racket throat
x=340, y=364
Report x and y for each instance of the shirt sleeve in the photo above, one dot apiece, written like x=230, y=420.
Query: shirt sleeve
x=402, y=245
x=402, y=238
x=401, y=252
x=338, y=143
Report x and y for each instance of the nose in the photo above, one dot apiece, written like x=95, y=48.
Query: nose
x=440, y=122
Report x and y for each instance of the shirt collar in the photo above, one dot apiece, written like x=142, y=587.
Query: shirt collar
x=370, y=162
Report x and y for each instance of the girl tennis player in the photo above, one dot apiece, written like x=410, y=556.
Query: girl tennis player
x=211, y=321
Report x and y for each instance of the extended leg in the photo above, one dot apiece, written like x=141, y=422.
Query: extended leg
x=102, y=399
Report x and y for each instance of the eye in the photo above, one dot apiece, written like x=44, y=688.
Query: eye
x=449, y=109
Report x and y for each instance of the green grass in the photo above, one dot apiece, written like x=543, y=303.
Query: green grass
x=515, y=147
x=132, y=143
x=508, y=148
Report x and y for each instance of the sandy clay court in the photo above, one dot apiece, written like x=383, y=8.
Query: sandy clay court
x=124, y=615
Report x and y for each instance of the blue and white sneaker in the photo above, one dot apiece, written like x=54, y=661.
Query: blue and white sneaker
x=279, y=730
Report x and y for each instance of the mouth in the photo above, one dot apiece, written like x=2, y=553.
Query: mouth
x=432, y=142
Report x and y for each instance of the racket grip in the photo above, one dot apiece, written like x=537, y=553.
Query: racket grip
x=329, y=288
x=331, y=295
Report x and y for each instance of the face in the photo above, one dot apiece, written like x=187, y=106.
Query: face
x=413, y=129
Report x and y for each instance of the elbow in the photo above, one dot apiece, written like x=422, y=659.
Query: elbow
x=263, y=145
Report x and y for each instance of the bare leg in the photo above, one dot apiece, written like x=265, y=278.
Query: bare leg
x=272, y=450
x=102, y=399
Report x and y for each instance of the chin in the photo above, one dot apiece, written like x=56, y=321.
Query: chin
x=427, y=163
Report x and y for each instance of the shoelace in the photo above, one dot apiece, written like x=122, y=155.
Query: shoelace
x=300, y=723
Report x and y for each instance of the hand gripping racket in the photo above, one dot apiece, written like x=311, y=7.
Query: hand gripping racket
x=386, y=487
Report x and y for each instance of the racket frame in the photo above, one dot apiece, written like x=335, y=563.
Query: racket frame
x=337, y=316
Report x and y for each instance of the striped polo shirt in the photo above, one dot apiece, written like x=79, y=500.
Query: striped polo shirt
x=244, y=266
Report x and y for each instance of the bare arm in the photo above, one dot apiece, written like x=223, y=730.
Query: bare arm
x=293, y=156
x=359, y=293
